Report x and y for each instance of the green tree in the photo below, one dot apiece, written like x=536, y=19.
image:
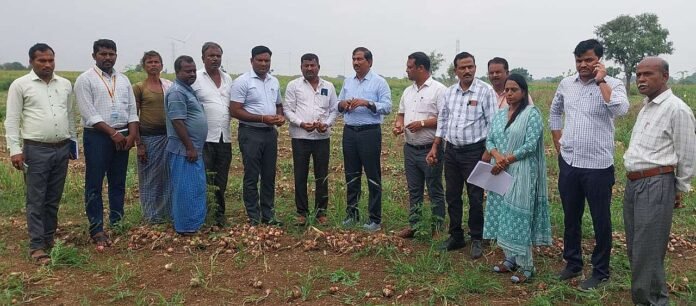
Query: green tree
x=613, y=71
x=523, y=72
x=13, y=66
x=629, y=39
x=436, y=60
x=450, y=77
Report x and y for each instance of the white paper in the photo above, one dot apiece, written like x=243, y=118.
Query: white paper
x=481, y=176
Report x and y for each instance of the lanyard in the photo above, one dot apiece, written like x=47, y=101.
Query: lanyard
x=111, y=90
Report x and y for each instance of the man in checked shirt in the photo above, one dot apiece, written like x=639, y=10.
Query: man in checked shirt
x=465, y=115
x=590, y=100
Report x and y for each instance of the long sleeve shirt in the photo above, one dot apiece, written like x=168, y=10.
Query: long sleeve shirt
x=372, y=88
x=38, y=111
x=103, y=97
x=303, y=103
x=587, y=140
x=664, y=135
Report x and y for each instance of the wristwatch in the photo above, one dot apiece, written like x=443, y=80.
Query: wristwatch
x=372, y=106
x=600, y=81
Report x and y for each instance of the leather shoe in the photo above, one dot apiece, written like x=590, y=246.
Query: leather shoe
x=452, y=244
x=476, y=249
x=567, y=274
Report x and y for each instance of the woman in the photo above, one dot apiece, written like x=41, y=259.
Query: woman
x=152, y=165
x=519, y=219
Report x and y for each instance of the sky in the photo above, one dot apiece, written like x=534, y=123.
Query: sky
x=538, y=35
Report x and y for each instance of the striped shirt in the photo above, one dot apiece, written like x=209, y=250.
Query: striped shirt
x=587, y=140
x=372, y=88
x=465, y=115
x=105, y=98
x=663, y=135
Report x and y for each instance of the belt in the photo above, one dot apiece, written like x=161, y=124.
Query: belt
x=467, y=147
x=359, y=128
x=260, y=128
x=420, y=147
x=636, y=175
x=59, y=144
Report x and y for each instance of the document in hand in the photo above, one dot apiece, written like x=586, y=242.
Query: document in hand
x=482, y=177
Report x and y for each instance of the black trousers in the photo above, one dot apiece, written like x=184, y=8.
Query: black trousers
x=259, y=147
x=217, y=157
x=575, y=185
x=459, y=162
x=44, y=176
x=362, y=146
x=318, y=150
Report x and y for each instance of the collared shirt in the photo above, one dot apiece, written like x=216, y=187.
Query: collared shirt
x=105, y=98
x=181, y=103
x=216, y=103
x=664, y=135
x=38, y=111
x=372, y=88
x=420, y=104
x=258, y=96
x=465, y=115
x=587, y=140
x=303, y=103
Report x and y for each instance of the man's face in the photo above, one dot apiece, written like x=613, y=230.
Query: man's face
x=585, y=64
x=261, y=63
x=412, y=71
x=187, y=73
x=497, y=75
x=212, y=58
x=152, y=65
x=310, y=69
x=105, y=58
x=650, y=78
x=43, y=64
x=465, y=70
x=360, y=64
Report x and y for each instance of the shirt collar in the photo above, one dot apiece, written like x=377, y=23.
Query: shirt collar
x=427, y=83
x=35, y=77
x=254, y=75
x=661, y=98
x=472, y=87
x=577, y=79
x=104, y=73
x=321, y=82
x=368, y=76
x=184, y=85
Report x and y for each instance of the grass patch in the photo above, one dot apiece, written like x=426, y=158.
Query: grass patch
x=63, y=255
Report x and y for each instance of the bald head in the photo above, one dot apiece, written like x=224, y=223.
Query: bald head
x=652, y=74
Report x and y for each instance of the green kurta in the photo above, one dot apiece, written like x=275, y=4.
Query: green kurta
x=520, y=218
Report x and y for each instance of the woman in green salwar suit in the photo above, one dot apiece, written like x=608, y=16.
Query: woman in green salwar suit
x=519, y=219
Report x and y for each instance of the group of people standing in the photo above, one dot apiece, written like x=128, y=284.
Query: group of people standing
x=181, y=130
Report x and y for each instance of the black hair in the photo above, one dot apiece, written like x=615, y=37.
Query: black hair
x=519, y=79
x=103, y=43
x=463, y=55
x=366, y=52
x=309, y=57
x=151, y=53
x=260, y=50
x=499, y=60
x=39, y=47
x=209, y=45
x=587, y=45
x=182, y=59
x=420, y=59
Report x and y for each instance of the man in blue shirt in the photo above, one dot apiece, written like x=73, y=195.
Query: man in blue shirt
x=255, y=101
x=187, y=129
x=364, y=100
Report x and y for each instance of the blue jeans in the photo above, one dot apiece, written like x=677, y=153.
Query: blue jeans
x=102, y=158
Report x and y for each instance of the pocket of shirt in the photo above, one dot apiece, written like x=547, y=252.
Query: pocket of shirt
x=426, y=108
x=473, y=113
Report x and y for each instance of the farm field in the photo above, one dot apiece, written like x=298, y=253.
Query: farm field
x=313, y=265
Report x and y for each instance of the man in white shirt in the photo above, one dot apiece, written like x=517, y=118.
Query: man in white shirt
x=311, y=107
x=40, y=130
x=660, y=163
x=417, y=119
x=212, y=89
x=109, y=116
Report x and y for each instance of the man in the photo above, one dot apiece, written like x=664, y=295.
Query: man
x=107, y=105
x=467, y=109
x=660, y=163
x=590, y=101
x=255, y=101
x=40, y=130
x=417, y=118
x=311, y=108
x=364, y=100
x=212, y=88
x=186, y=132
x=498, y=71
